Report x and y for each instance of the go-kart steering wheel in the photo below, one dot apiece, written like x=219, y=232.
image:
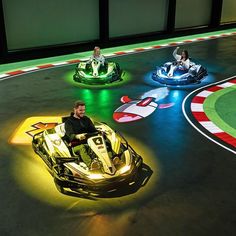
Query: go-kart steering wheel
x=89, y=135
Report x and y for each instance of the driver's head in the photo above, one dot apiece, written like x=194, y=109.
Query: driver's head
x=96, y=51
x=79, y=108
x=184, y=55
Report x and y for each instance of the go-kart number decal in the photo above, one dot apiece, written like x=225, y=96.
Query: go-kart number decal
x=98, y=141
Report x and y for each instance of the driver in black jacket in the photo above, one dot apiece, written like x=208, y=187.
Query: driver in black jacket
x=76, y=127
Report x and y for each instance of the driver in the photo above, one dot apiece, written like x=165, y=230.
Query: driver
x=76, y=127
x=181, y=60
x=97, y=56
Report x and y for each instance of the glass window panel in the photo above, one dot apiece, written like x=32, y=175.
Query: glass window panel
x=192, y=13
x=32, y=23
x=228, y=11
x=130, y=17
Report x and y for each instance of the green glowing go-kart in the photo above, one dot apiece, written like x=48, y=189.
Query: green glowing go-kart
x=95, y=73
x=117, y=164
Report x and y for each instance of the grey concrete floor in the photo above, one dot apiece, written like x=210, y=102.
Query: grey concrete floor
x=192, y=188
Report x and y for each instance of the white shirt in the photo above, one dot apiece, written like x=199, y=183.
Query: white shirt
x=99, y=58
x=186, y=63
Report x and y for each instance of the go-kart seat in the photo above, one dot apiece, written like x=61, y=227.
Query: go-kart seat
x=60, y=130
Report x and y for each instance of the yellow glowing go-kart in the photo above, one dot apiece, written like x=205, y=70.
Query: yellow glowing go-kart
x=118, y=163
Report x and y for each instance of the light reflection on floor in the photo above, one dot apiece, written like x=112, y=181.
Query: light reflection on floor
x=126, y=77
x=33, y=177
x=205, y=81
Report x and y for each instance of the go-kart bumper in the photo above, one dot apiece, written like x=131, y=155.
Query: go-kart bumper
x=99, y=186
x=184, y=79
x=174, y=81
x=110, y=73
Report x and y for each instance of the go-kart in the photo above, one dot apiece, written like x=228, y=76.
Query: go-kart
x=173, y=73
x=95, y=73
x=104, y=146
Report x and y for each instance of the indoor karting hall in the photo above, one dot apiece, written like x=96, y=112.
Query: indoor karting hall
x=186, y=135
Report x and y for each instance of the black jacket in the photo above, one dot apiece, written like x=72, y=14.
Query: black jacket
x=75, y=126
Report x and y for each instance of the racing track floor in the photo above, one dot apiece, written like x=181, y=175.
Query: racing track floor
x=192, y=188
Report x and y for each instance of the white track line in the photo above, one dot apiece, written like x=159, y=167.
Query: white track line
x=194, y=126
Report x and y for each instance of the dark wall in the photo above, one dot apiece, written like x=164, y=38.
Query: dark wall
x=33, y=29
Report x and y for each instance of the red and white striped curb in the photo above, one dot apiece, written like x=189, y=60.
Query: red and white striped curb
x=36, y=68
x=119, y=53
x=199, y=114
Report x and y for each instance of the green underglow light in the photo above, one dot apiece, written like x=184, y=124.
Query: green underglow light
x=126, y=77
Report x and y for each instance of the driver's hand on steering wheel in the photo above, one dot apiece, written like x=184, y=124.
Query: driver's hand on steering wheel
x=80, y=136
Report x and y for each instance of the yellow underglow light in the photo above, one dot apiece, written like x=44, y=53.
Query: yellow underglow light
x=37, y=182
x=95, y=176
x=31, y=126
x=124, y=169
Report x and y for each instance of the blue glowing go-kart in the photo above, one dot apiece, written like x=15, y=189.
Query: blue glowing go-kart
x=173, y=73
